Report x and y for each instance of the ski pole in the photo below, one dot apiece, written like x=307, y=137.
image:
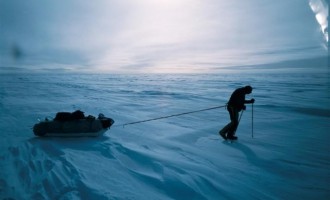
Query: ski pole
x=240, y=116
x=252, y=120
x=239, y=119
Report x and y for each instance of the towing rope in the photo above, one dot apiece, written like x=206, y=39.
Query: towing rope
x=168, y=116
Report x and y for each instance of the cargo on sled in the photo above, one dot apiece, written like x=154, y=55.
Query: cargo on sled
x=75, y=124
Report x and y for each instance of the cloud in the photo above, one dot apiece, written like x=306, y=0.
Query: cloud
x=158, y=36
x=321, y=10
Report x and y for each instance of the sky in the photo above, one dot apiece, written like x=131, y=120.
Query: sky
x=158, y=35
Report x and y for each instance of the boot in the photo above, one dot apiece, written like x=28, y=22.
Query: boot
x=223, y=135
x=231, y=137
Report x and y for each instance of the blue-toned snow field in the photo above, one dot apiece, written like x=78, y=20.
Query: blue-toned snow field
x=181, y=157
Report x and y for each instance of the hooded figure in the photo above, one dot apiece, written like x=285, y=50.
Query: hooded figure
x=235, y=105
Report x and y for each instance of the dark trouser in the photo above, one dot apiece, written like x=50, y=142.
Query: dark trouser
x=231, y=127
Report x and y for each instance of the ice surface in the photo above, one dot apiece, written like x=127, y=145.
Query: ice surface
x=174, y=158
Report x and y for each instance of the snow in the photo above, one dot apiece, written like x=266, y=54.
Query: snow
x=176, y=158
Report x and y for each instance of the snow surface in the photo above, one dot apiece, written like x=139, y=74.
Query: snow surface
x=175, y=158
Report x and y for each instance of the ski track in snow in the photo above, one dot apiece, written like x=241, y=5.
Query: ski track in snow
x=176, y=158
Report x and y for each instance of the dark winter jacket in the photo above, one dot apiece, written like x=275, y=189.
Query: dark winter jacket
x=237, y=99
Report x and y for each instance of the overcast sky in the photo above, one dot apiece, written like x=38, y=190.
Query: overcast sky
x=158, y=35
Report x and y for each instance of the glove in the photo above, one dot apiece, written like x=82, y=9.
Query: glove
x=252, y=100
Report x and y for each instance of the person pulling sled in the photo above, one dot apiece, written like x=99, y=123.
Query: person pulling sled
x=235, y=105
